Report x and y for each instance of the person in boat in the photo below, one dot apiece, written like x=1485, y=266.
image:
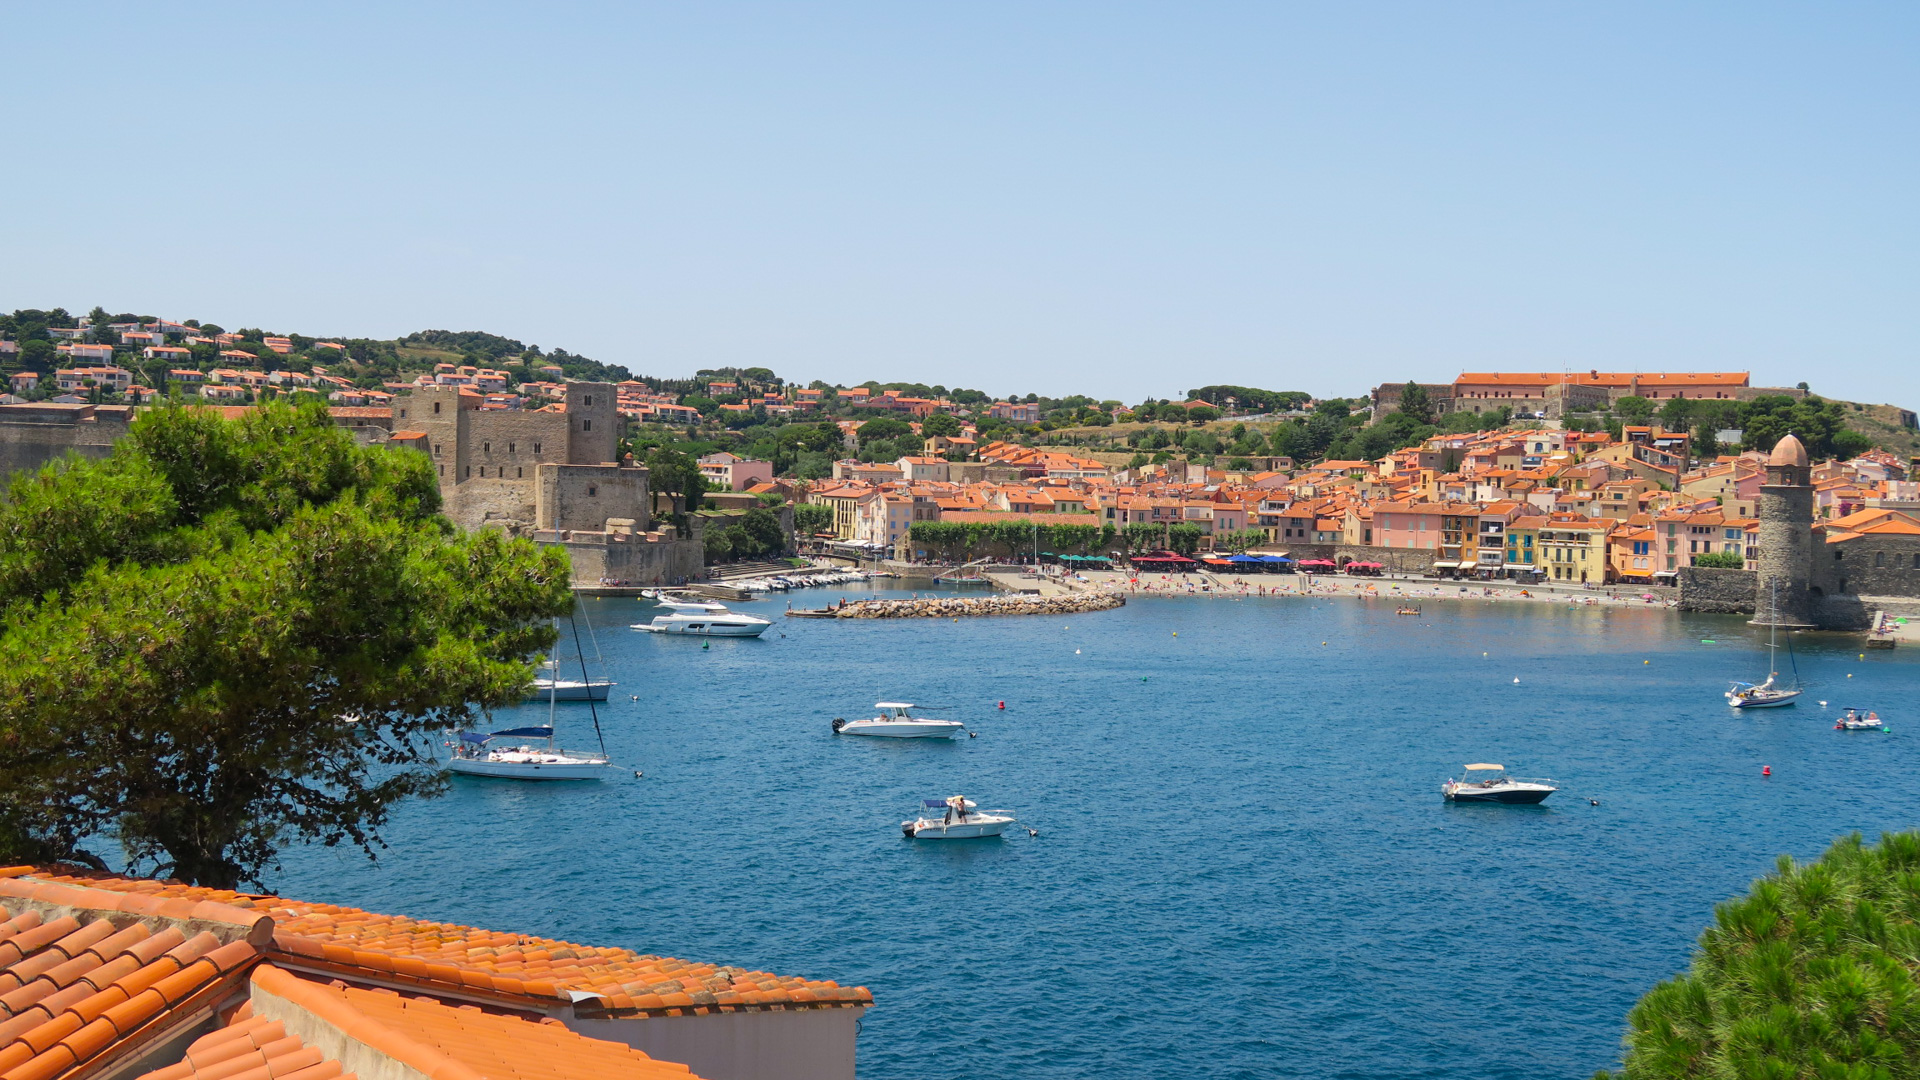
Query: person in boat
x=1873, y=716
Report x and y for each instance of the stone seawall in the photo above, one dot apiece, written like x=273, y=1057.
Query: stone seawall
x=1717, y=591
x=956, y=607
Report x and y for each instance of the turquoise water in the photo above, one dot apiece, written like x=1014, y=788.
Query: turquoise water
x=1244, y=867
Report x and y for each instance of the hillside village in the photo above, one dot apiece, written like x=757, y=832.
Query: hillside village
x=1533, y=476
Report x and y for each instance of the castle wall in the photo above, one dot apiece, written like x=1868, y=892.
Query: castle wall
x=569, y=497
x=488, y=460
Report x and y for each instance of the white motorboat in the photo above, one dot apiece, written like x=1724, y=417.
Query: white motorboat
x=959, y=821
x=1856, y=720
x=703, y=624
x=895, y=722
x=569, y=689
x=475, y=754
x=708, y=607
x=1493, y=785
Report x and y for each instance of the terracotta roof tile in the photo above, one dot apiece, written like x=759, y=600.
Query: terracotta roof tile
x=466, y=958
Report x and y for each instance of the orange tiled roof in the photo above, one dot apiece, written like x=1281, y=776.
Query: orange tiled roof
x=425, y=1036
x=490, y=963
x=76, y=991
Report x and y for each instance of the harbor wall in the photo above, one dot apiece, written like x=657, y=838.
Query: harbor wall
x=1717, y=591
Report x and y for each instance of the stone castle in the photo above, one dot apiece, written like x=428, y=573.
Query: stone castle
x=551, y=474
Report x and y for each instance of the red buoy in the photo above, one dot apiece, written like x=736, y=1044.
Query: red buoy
x=1766, y=770
x=1003, y=704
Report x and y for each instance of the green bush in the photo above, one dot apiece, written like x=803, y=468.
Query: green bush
x=1811, y=974
x=1723, y=560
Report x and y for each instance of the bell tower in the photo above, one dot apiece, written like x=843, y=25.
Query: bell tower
x=1782, y=596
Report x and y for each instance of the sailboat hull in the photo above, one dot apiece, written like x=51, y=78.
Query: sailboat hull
x=1770, y=702
x=530, y=770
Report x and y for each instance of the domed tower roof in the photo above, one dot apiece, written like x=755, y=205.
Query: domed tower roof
x=1789, y=451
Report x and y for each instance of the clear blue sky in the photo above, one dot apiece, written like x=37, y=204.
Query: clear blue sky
x=1119, y=199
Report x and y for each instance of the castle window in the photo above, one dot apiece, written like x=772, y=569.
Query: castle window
x=536, y=448
x=592, y=492
x=436, y=406
x=589, y=401
x=586, y=425
x=1879, y=558
x=443, y=470
x=486, y=448
x=436, y=449
x=519, y=472
x=509, y=448
x=403, y=414
x=469, y=472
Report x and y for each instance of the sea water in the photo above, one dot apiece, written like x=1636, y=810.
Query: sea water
x=1244, y=867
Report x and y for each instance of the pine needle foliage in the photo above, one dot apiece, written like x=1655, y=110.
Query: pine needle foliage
x=228, y=636
x=1810, y=976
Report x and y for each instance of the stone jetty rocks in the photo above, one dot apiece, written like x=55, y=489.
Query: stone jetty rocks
x=955, y=607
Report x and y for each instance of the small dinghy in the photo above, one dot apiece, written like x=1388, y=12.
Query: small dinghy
x=896, y=722
x=959, y=821
x=1493, y=785
x=1856, y=720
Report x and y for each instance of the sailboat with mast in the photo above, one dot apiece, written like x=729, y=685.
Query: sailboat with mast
x=1769, y=694
x=494, y=754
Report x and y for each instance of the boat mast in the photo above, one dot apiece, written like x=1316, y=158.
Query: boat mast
x=587, y=683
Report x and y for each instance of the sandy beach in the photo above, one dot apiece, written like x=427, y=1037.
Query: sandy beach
x=1392, y=589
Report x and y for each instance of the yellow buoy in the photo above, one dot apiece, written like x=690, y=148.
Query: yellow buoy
x=1646, y=661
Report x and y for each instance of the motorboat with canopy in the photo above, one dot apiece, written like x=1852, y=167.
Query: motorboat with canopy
x=1487, y=783
x=897, y=722
x=958, y=820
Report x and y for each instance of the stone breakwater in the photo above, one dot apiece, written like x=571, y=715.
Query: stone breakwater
x=955, y=607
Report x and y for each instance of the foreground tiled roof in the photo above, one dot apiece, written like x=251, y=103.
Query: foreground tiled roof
x=481, y=964
x=420, y=1035
x=76, y=992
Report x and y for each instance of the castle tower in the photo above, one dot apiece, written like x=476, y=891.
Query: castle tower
x=1786, y=540
x=593, y=423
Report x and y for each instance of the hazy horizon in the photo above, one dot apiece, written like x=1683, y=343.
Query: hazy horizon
x=1119, y=200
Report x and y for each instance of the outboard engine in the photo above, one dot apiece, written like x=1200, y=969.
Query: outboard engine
x=838, y=723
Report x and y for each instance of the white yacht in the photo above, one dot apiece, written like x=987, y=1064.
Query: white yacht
x=1493, y=785
x=896, y=722
x=706, y=624
x=569, y=689
x=475, y=754
x=959, y=821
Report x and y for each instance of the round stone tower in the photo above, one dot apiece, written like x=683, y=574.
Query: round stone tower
x=1786, y=540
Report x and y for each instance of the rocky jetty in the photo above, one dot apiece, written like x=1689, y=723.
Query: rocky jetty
x=958, y=606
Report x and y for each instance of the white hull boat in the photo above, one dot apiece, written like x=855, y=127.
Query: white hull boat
x=529, y=763
x=894, y=722
x=1762, y=696
x=959, y=821
x=475, y=755
x=1855, y=720
x=690, y=624
x=569, y=689
x=1492, y=785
